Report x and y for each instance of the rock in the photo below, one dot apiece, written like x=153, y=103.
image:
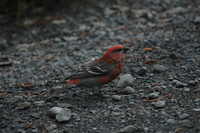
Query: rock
x=125, y=80
x=154, y=95
x=62, y=21
x=187, y=89
x=54, y=111
x=53, y=89
x=51, y=127
x=186, y=123
x=159, y=68
x=197, y=19
x=129, y=90
x=39, y=103
x=159, y=104
x=176, y=10
x=128, y=129
x=173, y=56
x=178, y=84
x=70, y=38
x=192, y=82
x=24, y=105
x=171, y=121
x=197, y=100
x=64, y=115
x=54, y=131
x=116, y=97
x=184, y=116
x=142, y=71
x=197, y=109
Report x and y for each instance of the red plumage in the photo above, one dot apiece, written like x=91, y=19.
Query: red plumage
x=99, y=72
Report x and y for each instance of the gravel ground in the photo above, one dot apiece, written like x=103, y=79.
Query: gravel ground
x=164, y=59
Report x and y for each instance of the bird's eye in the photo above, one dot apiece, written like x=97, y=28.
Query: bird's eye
x=118, y=50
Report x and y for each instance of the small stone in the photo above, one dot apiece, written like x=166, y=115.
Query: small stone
x=176, y=10
x=197, y=109
x=53, y=89
x=93, y=111
x=64, y=115
x=70, y=38
x=54, y=111
x=187, y=123
x=129, y=90
x=62, y=21
x=54, y=131
x=128, y=129
x=197, y=100
x=51, y=127
x=171, y=121
x=192, y=82
x=184, y=116
x=159, y=68
x=173, y=56
x=197, y=19
x=154, y=95
x=159, y=104
x=125, y=80
x=142, y=71
x=106, y=96
x=24, y=105
x=187, y=89
x=39, y=103
x=178, y=84
x=116, y=114
x=116, y=97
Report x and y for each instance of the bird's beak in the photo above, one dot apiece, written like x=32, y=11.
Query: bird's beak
x=126, y=49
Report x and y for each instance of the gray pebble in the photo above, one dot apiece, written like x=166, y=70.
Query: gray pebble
x=154, y=95
x=192, y=82
x=54, y=131
x=178, y=84
x=159, y=68
x=129, y=90
x=39, y=103
x=51, y=127
x=171, y=121
x=197, y=109
x=64, y=115
x=55, y=88
x=159, y=104
x=142, y=71
x=187, y=89
x=54, y=111
x=128, y=129
x=197, y=100
x=24, y=105
x=184, y=116
x=197, y=19
x=125, y=80
x=186, y=123
x=116, y=97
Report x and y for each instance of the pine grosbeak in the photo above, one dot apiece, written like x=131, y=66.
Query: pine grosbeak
x=99, y=72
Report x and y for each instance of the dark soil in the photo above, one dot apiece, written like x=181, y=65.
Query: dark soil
x=35, y=58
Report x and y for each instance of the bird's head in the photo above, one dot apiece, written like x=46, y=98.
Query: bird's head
x=115, y=52
x=116, y=49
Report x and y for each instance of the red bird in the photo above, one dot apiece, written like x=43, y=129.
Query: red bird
x=99, y=72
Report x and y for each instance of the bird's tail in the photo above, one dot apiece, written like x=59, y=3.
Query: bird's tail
x=63, y=89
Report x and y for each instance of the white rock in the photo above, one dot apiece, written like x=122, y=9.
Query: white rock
x=125, y=80
x=54, y=111
x=64, y=115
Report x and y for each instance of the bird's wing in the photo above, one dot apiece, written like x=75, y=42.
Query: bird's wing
x=94, y=70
